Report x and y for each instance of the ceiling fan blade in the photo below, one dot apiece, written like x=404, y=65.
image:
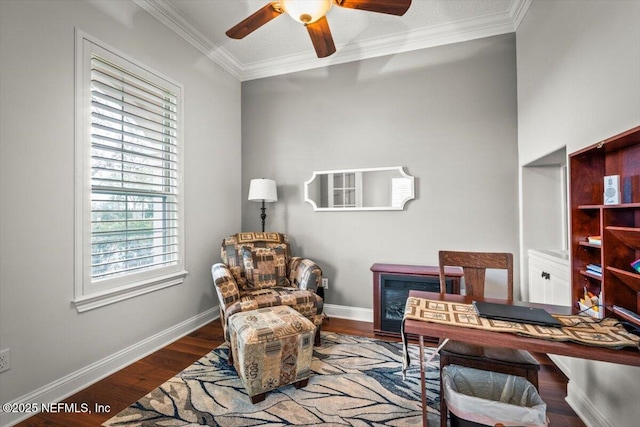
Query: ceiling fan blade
x=391, y=7
x=321, y=37
x=255, y=21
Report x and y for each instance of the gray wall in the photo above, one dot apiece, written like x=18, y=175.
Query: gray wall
x=579, y=83
x=447, y=114
x=48, y=338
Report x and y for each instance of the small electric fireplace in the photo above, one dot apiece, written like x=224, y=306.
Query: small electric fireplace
x=394, y=292
x=392, y=284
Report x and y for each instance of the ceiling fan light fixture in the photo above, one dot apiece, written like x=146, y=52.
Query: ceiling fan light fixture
x=312, y=13
x=306, y=11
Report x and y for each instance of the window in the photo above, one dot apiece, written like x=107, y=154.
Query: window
x=128, y=191
x=345, y=190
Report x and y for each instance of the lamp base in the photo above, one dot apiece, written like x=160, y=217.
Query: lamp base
x=263, y=215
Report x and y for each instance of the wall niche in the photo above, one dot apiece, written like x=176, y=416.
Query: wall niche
x=544, y=209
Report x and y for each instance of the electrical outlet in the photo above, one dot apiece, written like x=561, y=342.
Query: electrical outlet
x=325, y=283
x=5, y=360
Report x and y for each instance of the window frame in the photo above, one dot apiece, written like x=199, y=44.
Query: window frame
x=90, y=294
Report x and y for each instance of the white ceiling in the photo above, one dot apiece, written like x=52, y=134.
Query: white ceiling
x=283, y=45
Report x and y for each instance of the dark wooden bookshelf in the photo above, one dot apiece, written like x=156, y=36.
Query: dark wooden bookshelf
x=618, y=225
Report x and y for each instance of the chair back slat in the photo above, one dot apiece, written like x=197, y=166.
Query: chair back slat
x=474, y=265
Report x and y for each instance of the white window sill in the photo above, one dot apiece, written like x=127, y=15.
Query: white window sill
x=111, y=296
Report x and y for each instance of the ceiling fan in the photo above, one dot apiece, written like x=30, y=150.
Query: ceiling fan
x=312, y=13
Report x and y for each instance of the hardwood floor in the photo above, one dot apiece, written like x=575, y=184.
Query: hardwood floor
x=124, y=387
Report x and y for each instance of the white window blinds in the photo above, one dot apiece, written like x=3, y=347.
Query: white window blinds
x=133, y=173
x=129, y=198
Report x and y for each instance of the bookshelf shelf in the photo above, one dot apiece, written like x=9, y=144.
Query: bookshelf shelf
x=620, y=206
x=630, y=236
x=591, y=275
x=589, y=245
x=630, y=279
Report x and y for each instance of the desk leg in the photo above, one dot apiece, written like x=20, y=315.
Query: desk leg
x=423, y=380
x=423, y=384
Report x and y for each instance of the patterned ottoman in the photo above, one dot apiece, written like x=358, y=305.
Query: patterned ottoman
x=272, y=347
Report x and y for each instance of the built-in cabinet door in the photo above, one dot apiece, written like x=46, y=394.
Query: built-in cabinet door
x=561, y=289
x=549, y=278
x=537, y=283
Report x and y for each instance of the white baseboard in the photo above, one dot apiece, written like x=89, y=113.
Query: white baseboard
x=585, y=408
x=347, y=312
x=81, y=379
x=68, y=385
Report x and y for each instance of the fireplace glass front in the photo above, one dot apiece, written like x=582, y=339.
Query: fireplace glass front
x=395, y=291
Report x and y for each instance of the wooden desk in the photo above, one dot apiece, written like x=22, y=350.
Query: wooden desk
x=626, y=356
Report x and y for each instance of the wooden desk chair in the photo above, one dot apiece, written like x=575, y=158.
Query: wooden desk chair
x=504, y=360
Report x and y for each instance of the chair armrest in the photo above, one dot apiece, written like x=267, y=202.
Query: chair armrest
x=304, y=274
x=225, y=284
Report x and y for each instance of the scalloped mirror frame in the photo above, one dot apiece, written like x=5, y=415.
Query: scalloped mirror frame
x=407, y=189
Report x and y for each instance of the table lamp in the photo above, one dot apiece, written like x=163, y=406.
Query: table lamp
x=263, y=190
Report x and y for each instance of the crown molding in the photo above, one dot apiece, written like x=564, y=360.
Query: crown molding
x=455, y=32
x=518, y=10
x=171, y=17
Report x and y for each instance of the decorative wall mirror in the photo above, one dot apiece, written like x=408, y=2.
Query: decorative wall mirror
x=387, y=188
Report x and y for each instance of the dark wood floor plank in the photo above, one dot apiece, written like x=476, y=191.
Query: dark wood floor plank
x=126, y=386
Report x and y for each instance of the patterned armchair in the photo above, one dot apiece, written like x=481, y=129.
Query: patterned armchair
x=257, y=270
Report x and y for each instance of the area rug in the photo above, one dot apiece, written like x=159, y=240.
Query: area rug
x=356, y=381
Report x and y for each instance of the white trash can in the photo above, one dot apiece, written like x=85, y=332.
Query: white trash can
x=483, y=398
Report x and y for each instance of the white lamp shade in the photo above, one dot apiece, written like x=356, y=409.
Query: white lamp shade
x=263, y=190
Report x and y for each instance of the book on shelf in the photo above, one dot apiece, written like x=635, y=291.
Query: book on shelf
x=594, y=240
x=594, y=269
x=627, y=315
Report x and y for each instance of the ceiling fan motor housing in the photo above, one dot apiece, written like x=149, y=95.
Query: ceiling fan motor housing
x=306, y=11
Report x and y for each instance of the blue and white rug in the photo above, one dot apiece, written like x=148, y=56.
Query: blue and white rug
x=356, y=381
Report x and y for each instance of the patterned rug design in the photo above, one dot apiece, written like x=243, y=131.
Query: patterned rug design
x=356, y=381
